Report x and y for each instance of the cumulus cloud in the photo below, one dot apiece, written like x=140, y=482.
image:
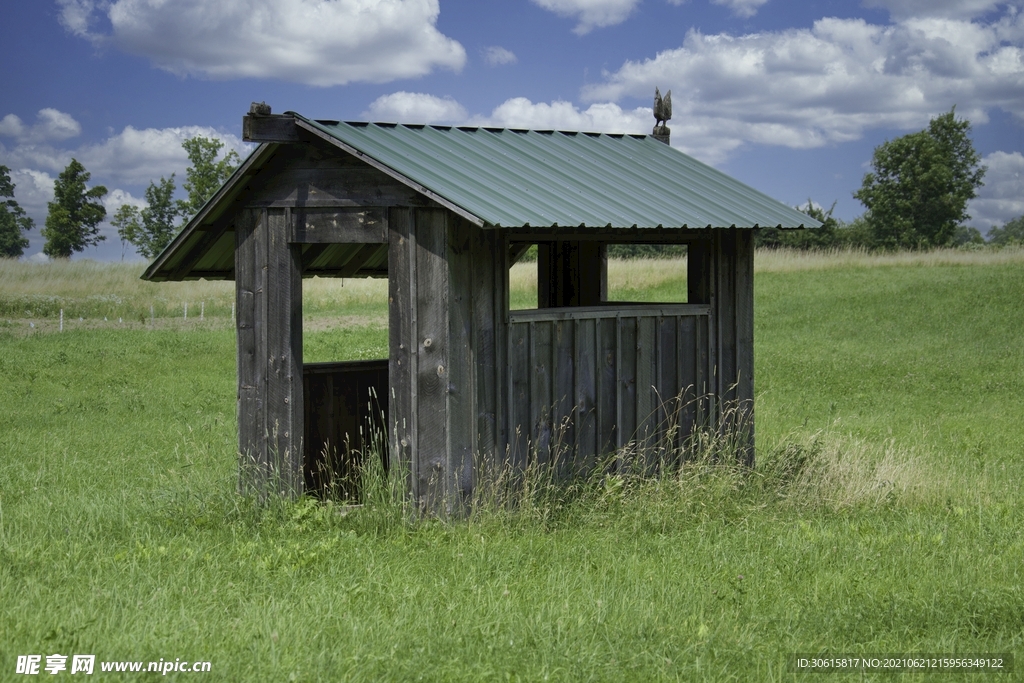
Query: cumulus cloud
x=519, y=112
x=315, y=42
x=703, y=137
x=50, y=124
x=591, y=14
x=497, y=56
x=414, y=107
x=957, y=9
x=741, y=8
x=131, y=156
x=1002, y=197
x=827, y=84
x=33, y=190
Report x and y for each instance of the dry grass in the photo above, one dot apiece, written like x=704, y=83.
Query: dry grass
x=839, y=472
x=788, y=260
x=96, y=289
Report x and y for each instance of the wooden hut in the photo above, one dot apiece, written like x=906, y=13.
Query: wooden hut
x=443, y=212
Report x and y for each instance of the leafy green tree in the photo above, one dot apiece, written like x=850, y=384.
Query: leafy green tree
x=152, y=228
x=13, y=220
x=1011, y=233
x=918, y=193
x=966, y=235
x=72, y=223
x=206, y=174
x=128, y=222
x=820, y=238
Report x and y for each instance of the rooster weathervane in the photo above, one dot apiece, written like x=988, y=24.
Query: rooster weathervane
x=662, y=113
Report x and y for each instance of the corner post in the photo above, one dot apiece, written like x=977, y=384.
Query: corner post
x=268, y=285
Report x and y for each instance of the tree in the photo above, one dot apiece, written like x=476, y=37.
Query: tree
x=13, y=220
x=1011, y=233
x=74, y=214
x=206, y=174
x=820, y=238
x=152, y=228
x=918, y=193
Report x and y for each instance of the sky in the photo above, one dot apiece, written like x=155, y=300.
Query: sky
x=788, y=96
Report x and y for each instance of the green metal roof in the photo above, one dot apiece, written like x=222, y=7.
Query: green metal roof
x=495, y=177
x=544, y=178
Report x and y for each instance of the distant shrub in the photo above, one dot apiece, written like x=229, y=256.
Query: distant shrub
x=1011, y=233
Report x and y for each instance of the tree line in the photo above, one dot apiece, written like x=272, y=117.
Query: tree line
x=74, y=215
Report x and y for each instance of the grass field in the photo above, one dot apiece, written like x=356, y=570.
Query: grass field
x=894, y=382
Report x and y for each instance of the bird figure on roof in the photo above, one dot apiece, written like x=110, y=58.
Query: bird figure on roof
x=662, y=107
x=662, y=113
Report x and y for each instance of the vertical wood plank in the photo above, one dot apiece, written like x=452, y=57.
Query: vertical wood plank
x=607, y=387
x=462, y=257
x=563, y=387
x=541, y=381
x=433, y=472
x=628, y=418
x=283, y=339
x=744, y=289
x=401, y=342
x=586, y=396
x=250, y=441
x=646, y=399
x=519, y=436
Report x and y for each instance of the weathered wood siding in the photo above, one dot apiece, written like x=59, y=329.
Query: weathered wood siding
x=589, y=381
x=346, y=407
x=721, y=275
x=268, y=287
x=447, y=301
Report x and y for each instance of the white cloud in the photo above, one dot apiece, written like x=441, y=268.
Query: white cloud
x=497, y=56
x=700, y=137
x=315, y=42
x=956, y=9
x=51, y=124
x=811, y=87
x=520, y=112
x=1001, y=198
x=414, y=107
x=741, y=8
x=591, y=14
x=131, y=156
x=33, y=190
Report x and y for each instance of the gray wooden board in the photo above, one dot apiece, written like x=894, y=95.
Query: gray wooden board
x=485, y=331
x=541, y=420
x=433, y=371
x=333, y=187
x=461, y=259
x=607, y=392
x=283, y=353
x=250, y=416
x=628, y=419
x=274, y=128
x=338, y=226
x=646, y=393
x=586, y=394
x=564, y=415
x=402, y=343
x=520, y=435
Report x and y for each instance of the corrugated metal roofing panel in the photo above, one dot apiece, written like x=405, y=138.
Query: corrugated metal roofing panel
x=513, y=178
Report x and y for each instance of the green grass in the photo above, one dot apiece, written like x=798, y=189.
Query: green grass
x=896, y=384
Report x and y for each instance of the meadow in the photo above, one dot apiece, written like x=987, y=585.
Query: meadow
x=884, y=514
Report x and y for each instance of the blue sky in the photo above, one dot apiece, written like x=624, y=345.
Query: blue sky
x=790, y=96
